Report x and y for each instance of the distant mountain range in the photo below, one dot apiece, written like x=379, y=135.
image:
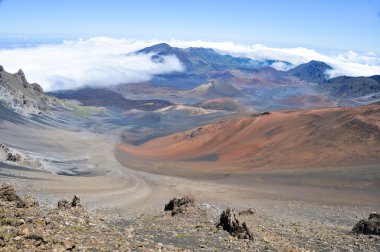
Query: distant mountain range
x=205, y=64
x=209, y=74
x=201, y=60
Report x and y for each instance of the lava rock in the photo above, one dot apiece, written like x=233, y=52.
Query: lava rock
x=66, y=204
x=8, y=193
x=13, y=157
x=76, y=202
x=370, y=226
x=230, y=222
x=181, y=205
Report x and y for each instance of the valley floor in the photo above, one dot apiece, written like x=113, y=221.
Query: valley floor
x=295, y=210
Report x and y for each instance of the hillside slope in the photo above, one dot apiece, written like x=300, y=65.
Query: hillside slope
x=314, y=138
x=313, y=71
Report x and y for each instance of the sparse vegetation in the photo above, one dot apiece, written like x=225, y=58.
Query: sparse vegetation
x=85, y=111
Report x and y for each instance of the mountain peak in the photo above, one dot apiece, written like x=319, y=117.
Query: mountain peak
x=319, y=63
x=312, y=71
x=161, y=48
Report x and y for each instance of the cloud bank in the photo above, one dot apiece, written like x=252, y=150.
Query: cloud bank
x=90, y=62
x=105, y=61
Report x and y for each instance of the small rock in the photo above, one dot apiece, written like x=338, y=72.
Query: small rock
x=249, y=211
x=76, y=201
x=368, y=226
x=64, y=204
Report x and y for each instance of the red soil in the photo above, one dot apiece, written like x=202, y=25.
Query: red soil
x=298, y=139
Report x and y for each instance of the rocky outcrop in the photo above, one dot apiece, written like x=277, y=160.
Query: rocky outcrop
x=180, y=206
x=370, y=226
x=22, y=77
x=66, y=204
x=38, y=228
x=16, y=157
x=195, y=133
x=260, y=114
x=8, y=193
x=230, y=222
x=13, y=157
x=17, y=94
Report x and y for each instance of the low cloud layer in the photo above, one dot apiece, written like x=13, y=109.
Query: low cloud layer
x=90, y=62
x=106, y=61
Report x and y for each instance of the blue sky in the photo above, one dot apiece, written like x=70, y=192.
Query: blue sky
x=63, y=44
x=322, y=25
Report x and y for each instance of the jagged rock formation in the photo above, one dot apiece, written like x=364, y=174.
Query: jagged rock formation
x=368, y=226
x=21, y=96
x=230, y=222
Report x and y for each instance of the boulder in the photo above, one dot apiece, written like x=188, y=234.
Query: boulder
x=182, y=205
x=230, y=222
x=4, y=148
x=1, y=68
x=370, y=226
x=13, y=157
x=76, y=202
x=66, y=204
x=8, y=193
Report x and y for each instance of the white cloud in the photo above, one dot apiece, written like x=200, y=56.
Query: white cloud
x=281, y=66
x=107, y=61
x=94, y=62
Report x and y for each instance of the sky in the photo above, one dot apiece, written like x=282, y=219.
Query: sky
x=44, y=36
x=329, y=24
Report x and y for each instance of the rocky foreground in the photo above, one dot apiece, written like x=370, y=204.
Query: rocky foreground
x=184, y=225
